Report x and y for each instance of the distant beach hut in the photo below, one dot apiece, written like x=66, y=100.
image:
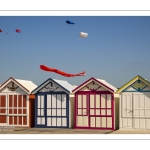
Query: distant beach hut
x=94, y=105
x=16, y=108
x=53, y=104
x=135, y=104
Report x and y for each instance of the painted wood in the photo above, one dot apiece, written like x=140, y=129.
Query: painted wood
x=52, y=105
x=94, y=106
x=52, y=110
x=17, y=109
x=135, y=104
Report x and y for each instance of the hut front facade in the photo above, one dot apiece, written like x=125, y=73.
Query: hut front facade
x=135, y=104
x=16, y=108
x=94, y=105
x=53, y=105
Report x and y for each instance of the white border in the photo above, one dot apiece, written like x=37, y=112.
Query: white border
x=74, y=13
x=75, y=136
x=75, y=5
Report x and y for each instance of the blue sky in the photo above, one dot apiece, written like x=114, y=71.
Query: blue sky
x=116, y=49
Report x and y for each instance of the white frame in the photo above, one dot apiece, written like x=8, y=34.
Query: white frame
x=21, y=115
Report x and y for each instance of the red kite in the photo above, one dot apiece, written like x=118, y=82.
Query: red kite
x=1, y=30
x=18, y=31
x=45, y=68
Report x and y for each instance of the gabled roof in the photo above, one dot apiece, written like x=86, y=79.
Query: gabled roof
x=108, y=84
x=100, y=81
x=138, y=77
x=63, y=84
x=25, y=85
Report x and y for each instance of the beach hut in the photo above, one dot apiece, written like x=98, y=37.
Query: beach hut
x=16, y=108
x=135, y=104
x=53, y=104
x=94, y=105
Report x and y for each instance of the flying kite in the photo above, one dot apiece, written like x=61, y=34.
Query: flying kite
x=18, y=31
x=69, y=22
x=83, y=35
x=45, y=68
x=1, y=30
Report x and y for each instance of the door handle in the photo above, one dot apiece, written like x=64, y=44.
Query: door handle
x=130, y=111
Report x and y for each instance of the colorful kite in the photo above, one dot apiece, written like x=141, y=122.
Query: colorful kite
x=45, y=68
x=1, y=30
x=69, y=22
x=18, y=31
x=83, y=35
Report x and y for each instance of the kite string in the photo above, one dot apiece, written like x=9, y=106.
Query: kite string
x=48, y=59
x=75, y=45
x=33, y=74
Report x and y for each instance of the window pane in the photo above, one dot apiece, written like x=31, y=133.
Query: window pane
x=24, y=111
x=19, y=100
x=15, y=111
x=24, y=101
x=63, y=101
x=19, y=111
x=15, y=100
x=10, y=101
x=53, y=101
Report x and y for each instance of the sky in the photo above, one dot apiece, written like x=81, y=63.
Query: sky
x=116, y=50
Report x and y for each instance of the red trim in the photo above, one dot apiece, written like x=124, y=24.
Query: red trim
x=88, y=87
x=100, y=110
x=75, y=115
x=98, y=88
x=95, y=108
x=93, y=128
x=112, y=97
x=93, y=92
x=78, y=88
x=106, y=109
x=87, y=93
x=82, y=104
x=88, y=108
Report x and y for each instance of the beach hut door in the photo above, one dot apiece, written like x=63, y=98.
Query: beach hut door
x=3, y=110
x=40, y=110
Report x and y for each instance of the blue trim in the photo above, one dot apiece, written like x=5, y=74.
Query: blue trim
x=144, y=87
x=137, y=90
x=45, y=110
x=36, y=111
x=45, y=82
x=125, y=90
x=133, y=87
x=130, y=85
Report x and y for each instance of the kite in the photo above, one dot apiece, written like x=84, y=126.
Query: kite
x=83, y=35
x=45, y=68
x=69, y=22
x=1, y=30
x=18, y=31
